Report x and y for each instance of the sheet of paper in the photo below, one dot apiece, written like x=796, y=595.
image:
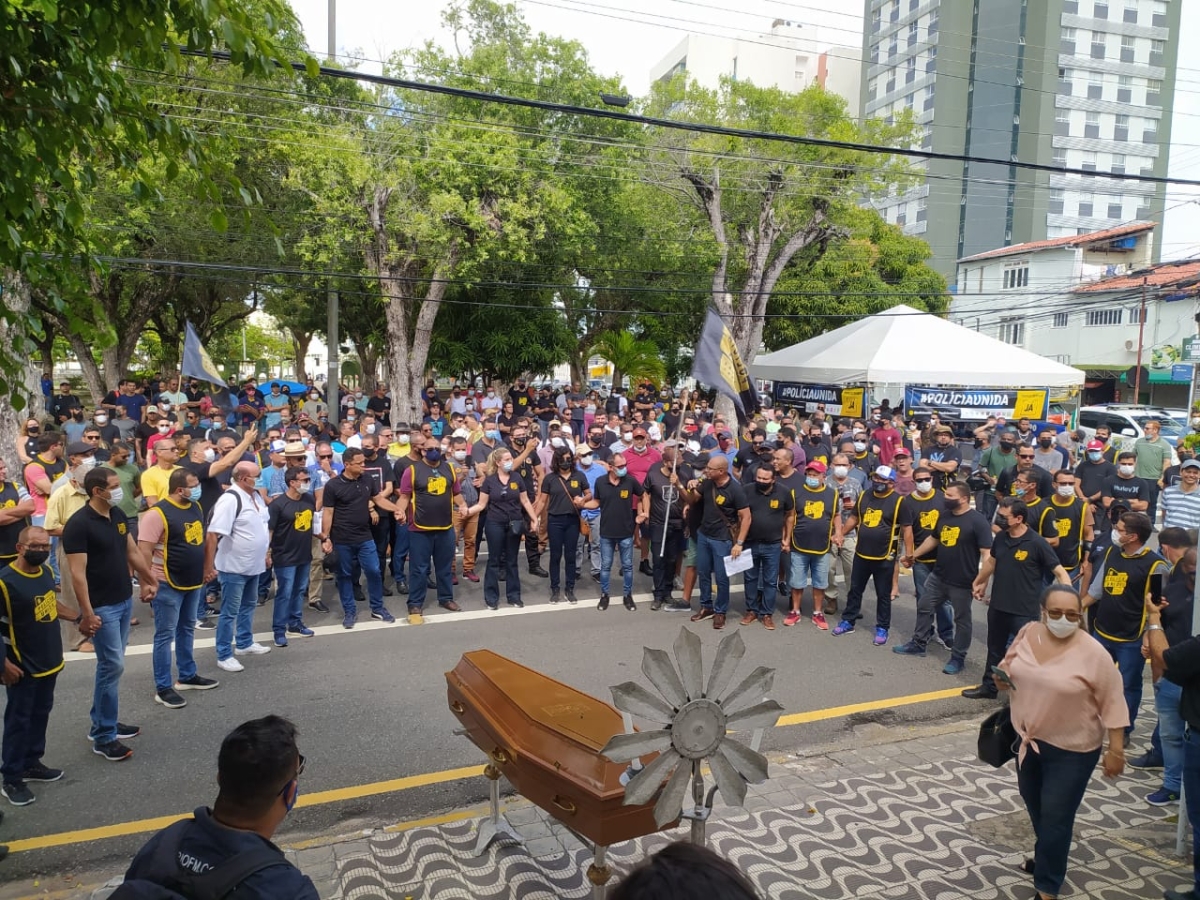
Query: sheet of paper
x=741, y=564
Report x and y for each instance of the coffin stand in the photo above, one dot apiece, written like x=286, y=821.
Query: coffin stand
x=545, y=738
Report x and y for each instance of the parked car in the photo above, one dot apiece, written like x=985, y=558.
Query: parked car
x=1127, y=423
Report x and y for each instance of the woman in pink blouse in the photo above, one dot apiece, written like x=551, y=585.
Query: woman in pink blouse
x=1066, y=694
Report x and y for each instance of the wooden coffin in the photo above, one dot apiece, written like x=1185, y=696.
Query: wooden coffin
x=546, y=739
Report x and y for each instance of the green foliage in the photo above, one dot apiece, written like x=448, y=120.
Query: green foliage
x=630, y=356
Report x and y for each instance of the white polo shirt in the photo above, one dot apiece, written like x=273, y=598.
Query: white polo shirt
x=242, y=549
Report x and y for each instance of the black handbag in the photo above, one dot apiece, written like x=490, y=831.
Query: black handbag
x=517, y=527
x=997, y=738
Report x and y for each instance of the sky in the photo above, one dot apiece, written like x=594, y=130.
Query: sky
x=627, y=37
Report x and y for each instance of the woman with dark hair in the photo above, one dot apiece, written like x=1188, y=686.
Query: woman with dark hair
x=1066, y=694
x=503, y=491
x=683, y=871
x=564, y=491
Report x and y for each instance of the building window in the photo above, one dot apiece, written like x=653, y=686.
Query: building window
x=1057, y=203
x=1089, y=161
x=1059, y=157
x=1150, y=132
x=1159, y=19
x=1121, y=128
x=895, y=14
x=1144, y=214
x=1060, y=320
x=1158, y=50
x=1131, y=12
x=1091, y=128
x=1071, y=6
x=1125, y=89
x=1115, y=206
x=1153, y=92
x=1012, y=330
x=1136, y=313
x=928, y=98
x=912, y=33
x=876, y=21
x=922, y=209
x=890, y=86
x=1118, y=163
x=1086, y=205
x=931, y=63
x=1100, y=10
x=1065, y=87
x=913, y=4
x=910, y=70
x=1095, y=86
x=872, y=88
x=902, y=218
x=1128, y=49
x=1016, y=276
x=1067, y=42
x=933, y=21
x=893, y=47
x=1098, y=317
x=1098, y=47
x=1062, y=123
x=874, y=54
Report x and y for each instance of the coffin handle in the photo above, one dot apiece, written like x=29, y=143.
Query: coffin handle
x=500, y=756
x=565, y=805
x=457, y=708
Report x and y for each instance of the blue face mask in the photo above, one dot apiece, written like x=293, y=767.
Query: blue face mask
x=812, y=482
x=1094, y=455
x=194, y=493
x=492, y=435
x=433, y=457
x=622, y=472
x=290, y=804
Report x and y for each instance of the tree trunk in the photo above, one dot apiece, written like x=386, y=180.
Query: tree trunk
x=368, y=358
x=45, y=345
x=16, y=336
x=92, y=376
x=300, y=344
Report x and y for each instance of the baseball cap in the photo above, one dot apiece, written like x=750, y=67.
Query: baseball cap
x=278, y=447
x=901, y=451
x=816, y=466
x=78, y=448
x=1189, y=464
x=886, y=473
x=1095, y=445
x=639, y=430
x=291, y=448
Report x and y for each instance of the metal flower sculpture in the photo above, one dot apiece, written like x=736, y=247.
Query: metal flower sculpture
x=696, y=717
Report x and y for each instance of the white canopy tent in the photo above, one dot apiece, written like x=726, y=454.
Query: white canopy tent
x=903, y=345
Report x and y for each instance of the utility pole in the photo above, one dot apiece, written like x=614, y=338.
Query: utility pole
x=332, y=49
x=1137, y=379
x=332, y=400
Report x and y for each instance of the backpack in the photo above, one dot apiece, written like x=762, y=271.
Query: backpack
x=215, y=884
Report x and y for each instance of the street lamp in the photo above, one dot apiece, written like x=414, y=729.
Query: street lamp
x=614, y=99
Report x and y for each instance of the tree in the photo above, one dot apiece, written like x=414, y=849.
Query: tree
x=629, y=356
x=765, y=201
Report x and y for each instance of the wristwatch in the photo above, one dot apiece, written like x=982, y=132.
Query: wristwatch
x=1154, y=628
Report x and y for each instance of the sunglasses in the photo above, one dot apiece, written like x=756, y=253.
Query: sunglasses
x=1070, y=616
x=1024, y=456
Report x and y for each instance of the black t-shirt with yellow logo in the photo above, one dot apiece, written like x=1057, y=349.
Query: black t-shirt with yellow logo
x=563, y=489
x=923, y=515
x=616, y=506
x=105, y=541
x=768, y=513
x=1042, y=517
x=1125, y=580
x=960, y=538
x=719, y=509
x=291, y=524
x=1068, y=525
x=878, y=522
x=814, y=519
x=1023, y=566
x=29, y=616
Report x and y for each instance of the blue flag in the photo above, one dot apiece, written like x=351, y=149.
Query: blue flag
x=719, y=365
x=198, y=364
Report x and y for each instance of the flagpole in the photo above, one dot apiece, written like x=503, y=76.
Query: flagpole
x=674, y=467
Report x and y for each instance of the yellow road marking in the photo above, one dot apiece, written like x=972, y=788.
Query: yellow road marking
x=354, y=792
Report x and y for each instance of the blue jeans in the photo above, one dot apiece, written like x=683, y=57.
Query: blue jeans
x=110, y=643
x=174, y=620
x=1052, y=784
x=431, y=550
x=399, y=550
x=762, y=579
x=351, y=558
x=291, y=587
x=563, y=534
x=1191, y=796
x=607, y=546
x=1128, y=657
x=943, y=612
x=710, y=560
x=239, y=599
x=1170, y=727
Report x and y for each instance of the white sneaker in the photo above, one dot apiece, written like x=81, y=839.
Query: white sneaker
x=230, y=665
x=255, y=649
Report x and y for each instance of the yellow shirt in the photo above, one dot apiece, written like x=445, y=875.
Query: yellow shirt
x=66, y=500
x=156, y=483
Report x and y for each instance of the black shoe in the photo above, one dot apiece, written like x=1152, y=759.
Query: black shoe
x=628, y=601
x=656, y=605
x=45, y=774
x=206, y=624
x=319, y=606
x=360, y=598
x=555, y=596
x=539, y=572
x=1027, y=867
x=519, y=604
x=603, y=602
x=169, y=698
x=679, y=606
x=1146, y=761
x=979, y=693
x=646, y=568
x=114, y=751
x=571, y=598
x=124, y=732
x=17, y=793
x=596, y=577
x=196, y=683
x=387, y=591
x=401, y=586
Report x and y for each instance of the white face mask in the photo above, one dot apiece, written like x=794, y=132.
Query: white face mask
x=100, y=420
x=556, y=442
x=491, y=394
x=166, y=407
x=370, y=429
x=1066, y=490
x=1126, y=470
x=1116, y=538
x=116, y=496
x=210, y=455
x=163, y=429
x=924, y=487
x=460, y=455
x=841, y=471
x=860, y=446
x=314, y=396
x=627, y=437
x=1061, y=628
x=402, y=439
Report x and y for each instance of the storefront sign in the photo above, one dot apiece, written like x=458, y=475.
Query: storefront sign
x=835, y=399
x=977, y=403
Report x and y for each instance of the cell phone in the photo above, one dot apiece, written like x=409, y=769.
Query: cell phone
x=1000, y=675
x=1156, y=585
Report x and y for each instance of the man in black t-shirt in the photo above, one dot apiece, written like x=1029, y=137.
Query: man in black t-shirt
x=400, y=542
x=663, y=504
x=1022, y=562
x=943, y=457
x=772, y=517
x=381, y=404
x=959, y=540
x=291, y=517
x=614, y=496
x=1126, y=487
x=724, y=522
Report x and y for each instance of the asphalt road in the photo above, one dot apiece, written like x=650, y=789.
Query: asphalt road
x=371, y=706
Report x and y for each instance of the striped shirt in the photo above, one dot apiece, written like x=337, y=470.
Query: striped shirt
x=1180, y=509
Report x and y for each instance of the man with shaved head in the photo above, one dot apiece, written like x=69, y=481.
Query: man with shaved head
x=236, y=547
x=29, y=613
x=724, y=521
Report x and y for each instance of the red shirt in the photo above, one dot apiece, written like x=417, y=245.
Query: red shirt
x=889, y=441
